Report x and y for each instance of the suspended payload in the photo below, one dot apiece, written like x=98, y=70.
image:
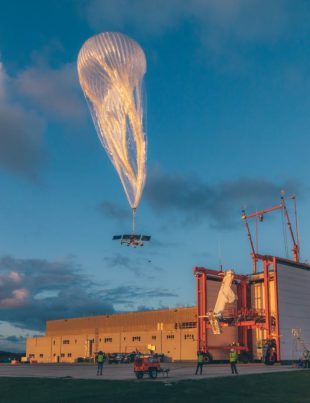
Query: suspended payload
x=111, y=67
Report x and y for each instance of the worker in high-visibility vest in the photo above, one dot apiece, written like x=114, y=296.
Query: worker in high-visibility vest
x=233, y=358
x=100, y=361
x=200, y=359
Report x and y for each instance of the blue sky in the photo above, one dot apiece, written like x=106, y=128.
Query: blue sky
x=228, y=127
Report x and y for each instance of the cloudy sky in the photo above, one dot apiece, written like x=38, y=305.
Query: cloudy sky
x=228, y=97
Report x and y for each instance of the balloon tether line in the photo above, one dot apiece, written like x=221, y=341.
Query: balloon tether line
x=133, y=220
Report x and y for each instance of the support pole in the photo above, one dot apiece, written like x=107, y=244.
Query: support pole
x=293, y=197
x=242, y=307
x=267, y=300
x=204, y=309
x=253, y=253
x=245, y=305
x=198, y=302
x=276, y=296
x=296, y=221
x=201, y=281
x=295, y=248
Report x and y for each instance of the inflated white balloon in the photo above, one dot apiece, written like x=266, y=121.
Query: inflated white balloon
x=111, y=67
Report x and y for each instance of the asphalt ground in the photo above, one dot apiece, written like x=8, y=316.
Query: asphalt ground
x=178, y=371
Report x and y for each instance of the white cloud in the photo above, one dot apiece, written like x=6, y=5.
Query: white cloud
x=3, y=79
x=49, y=290
x=54, y=92
x=221, y=26
x=245, y=20
x=14, y=276
x=21, y=134
x=151, y=17
x=219, y=203
x=18, y=298
x=28, y=101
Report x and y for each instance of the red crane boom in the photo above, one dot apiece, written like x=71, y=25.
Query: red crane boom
x=259, y=215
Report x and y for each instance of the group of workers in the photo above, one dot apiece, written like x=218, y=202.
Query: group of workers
x=202, y=359
x=233, y=358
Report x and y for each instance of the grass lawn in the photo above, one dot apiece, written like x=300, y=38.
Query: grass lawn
x=282, y=387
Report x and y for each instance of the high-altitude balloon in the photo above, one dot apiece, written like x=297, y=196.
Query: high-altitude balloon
x=111, y=67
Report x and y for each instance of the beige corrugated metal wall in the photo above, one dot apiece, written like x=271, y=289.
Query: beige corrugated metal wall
x=294, y=309
x=131, y=321
x=170, y=331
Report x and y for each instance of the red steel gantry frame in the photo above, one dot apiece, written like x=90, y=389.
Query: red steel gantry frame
x=244, y=318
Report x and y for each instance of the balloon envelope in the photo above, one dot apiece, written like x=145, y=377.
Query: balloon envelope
x=111, y=67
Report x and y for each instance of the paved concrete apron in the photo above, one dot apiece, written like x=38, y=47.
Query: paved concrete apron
x=178, y=371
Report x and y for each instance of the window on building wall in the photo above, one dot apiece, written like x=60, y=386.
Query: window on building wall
x=66, y=342
x=75, y=341
x=41, y=355
x=32, y=355
x=62, y=354
x=54, y=342
x=189, y=337
x=54, y=355
x=124, y=338
x=185, y=325
x=136, y=338
x=108, y=339
x=153, y=337
x=69, y=355
x=170, y=336
x=99, y=340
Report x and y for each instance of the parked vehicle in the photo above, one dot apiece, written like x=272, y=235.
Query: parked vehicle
x=115, y=358
x=121, y=358
x=128, y=358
